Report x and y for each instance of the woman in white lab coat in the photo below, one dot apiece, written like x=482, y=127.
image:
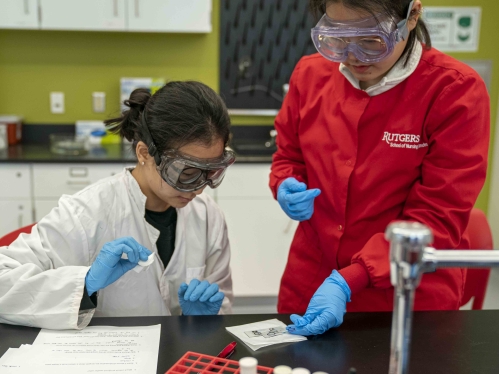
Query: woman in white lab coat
x=76, y=262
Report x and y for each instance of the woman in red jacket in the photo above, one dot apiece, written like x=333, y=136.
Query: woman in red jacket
x=376, y=127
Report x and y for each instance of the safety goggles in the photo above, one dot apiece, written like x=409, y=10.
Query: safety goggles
x=183, y=172
x=186, y=173
x=371, y=40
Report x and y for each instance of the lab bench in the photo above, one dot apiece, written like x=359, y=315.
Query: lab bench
x=33, y=180
x=454, y=342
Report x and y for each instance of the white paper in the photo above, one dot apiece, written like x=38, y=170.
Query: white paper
x=258, y=342
x=102, y=349
x=9, y=363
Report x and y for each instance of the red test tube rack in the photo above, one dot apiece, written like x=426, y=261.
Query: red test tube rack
x=197, y=363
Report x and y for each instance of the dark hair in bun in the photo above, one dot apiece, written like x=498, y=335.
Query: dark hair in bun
x=179, y=113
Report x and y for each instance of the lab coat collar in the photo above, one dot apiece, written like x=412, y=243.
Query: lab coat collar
x=139, y=200
x=396, y=75
x=133, y=187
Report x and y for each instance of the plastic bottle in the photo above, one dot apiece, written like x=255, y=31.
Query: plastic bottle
x=300, y=371
x=248, y=365
x=282, y=369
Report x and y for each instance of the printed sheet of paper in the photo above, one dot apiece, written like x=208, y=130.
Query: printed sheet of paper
x=9, y=363
x=262, y=334
x=102, y=349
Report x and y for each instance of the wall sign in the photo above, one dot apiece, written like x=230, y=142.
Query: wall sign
x=454, y=29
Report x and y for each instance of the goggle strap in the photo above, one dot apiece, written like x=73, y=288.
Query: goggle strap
x=151, y=147
x=403, y=31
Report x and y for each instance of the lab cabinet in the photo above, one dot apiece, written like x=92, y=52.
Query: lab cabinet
x=51, y=181
x=29, y=191
x=15, y=181
x=15, y=197
x=246, y=181
x=54, y=180
x=260, y=233
x=96, y=15
x=170, y=16
x=19, y=14
x=193, y=16
x=15, y=213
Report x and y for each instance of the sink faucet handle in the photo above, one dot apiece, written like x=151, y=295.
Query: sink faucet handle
x=271, y=142
x=408, y=241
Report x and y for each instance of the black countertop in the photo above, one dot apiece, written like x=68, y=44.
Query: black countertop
x=40, y=153
x=457, y=342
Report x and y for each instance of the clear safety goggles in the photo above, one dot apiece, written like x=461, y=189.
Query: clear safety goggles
x=183, y=172
x=187, y=174
x=371, y=40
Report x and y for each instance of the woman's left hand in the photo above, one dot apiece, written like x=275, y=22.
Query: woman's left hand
x=326, y=308
x=200, y=298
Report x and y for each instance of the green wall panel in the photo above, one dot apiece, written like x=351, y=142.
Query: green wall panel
x=488, y=51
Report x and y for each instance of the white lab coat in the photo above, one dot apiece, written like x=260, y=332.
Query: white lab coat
x=42, y=275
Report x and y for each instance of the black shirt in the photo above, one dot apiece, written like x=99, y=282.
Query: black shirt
x=166, y=223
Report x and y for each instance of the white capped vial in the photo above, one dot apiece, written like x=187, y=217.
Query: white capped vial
x=248, y=365
x=300, y=371
x=319, y=372
x=282, y=369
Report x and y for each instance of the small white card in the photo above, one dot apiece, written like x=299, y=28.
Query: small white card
x=262, y=334
x=266, y=333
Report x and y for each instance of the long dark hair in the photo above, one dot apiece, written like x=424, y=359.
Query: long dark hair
x=179, y=113
x=397, y=9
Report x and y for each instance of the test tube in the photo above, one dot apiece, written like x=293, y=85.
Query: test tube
x=282, y=369
x=248, y=365
x=300, y=371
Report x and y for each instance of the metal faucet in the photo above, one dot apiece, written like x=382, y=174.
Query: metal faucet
x=409, y=259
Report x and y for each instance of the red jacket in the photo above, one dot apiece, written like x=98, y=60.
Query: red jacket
x=416, y=152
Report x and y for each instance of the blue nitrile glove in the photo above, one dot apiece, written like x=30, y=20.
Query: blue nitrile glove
x=326, y=308
x=108, y=267
x=296, y=201
x=200, y=298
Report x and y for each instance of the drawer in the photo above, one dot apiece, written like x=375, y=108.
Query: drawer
x=54, y=180
x=247, y=181
x=15, y=181
x=16, y=213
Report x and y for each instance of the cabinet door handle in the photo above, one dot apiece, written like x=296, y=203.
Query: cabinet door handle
x=20, y=217
x=115, y=8
x=78, y=172
x=26, y=7
x=288, y=226
x=137, y=13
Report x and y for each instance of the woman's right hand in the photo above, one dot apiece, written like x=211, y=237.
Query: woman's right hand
x=296, y=201
x=108, y=267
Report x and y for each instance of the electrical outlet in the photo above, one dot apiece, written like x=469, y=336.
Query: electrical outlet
x=99, y=102
x=57, y=102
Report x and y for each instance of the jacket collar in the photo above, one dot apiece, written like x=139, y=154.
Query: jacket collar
x=139, y=199
x=135, y=192
x=395, y=76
